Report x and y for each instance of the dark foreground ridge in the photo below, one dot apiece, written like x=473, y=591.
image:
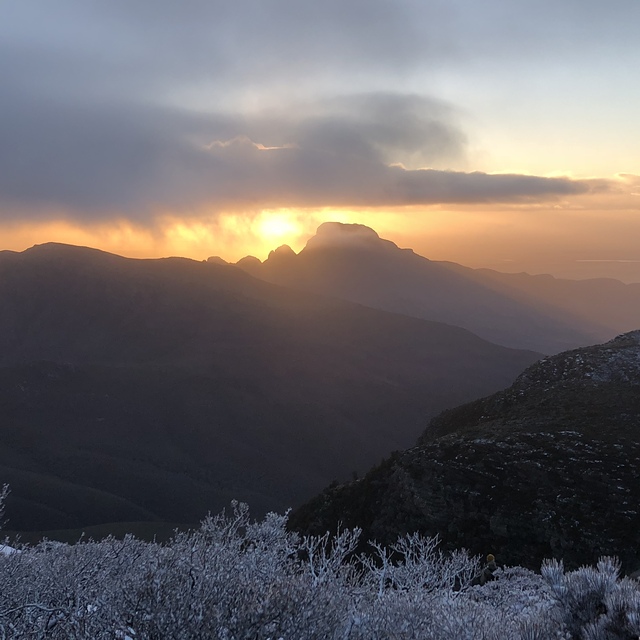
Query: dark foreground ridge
x=547, y=468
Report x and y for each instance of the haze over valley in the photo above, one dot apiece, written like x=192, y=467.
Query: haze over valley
x=536, y=312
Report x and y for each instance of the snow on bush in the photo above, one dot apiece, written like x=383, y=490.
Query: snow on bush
x=235, y=579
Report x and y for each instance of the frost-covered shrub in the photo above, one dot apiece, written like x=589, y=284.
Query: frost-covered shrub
x=595, y=603
x=415, y=564
x=55, y=590
x=520, y=595
x=231, y=578
x=234, y=579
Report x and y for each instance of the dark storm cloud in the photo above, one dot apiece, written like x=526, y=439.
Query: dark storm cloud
x=81, y=159
x=309, y=177
x=410, y=129
x=95, y=162
x=85, y=123
x=86, y=128
x=429, y=186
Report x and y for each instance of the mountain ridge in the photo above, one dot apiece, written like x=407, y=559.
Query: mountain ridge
x=194, y=381
x=542, y=313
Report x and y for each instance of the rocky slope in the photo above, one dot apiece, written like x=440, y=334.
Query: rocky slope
x=550, y=467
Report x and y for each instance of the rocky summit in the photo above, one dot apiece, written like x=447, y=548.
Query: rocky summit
x=550, y=467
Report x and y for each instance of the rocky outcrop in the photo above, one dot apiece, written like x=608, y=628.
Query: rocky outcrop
x=547, y=468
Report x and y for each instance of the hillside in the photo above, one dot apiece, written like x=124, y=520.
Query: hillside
x=158, y=390
x=547, y=468
x=543, y=313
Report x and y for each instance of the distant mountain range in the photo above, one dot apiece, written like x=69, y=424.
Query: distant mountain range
x=542, y=313
x=157, y=390
x=547, y=468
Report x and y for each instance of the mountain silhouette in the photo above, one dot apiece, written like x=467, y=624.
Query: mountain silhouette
x=157, y=390
x=546, y=468
x=352, y=262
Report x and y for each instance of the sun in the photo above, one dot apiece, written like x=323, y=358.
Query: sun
x=276, y=226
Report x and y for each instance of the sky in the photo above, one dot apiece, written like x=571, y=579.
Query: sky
x=501, y=133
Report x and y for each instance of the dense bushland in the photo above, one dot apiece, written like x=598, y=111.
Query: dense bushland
x=237, y=579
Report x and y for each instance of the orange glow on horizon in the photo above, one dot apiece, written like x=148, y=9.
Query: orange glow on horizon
x=231, y=236
x=235, y=235
x=529, y=236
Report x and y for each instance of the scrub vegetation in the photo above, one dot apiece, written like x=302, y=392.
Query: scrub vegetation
x=235, y=578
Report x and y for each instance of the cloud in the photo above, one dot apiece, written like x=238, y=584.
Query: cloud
x=137, y=159
x=151, y=48
x=631, y=181
x=68, y=157
x=547, y=30
x=412, y=130
x=308, y=176
x=126, y=108
x=149, y=45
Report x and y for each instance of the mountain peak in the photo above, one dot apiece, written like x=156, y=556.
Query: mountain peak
x=52, y=248
x=630, y=338
x=352, y=236
x=283, y=251
x=251, y=265
x=614, y=362
x=216, y=260
x=334, y=229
